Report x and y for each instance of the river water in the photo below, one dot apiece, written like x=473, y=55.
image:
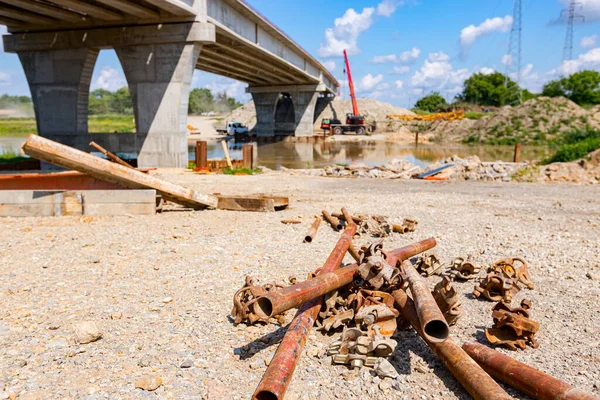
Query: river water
x=316, y=155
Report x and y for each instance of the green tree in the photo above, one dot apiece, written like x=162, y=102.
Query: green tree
x=554, y=89
x=201, y=100
x=583, y=87
x=121, y=103
x=432, y=102
x=8, y=101
x=527, y=95
x=100, y=102
x=489, y=89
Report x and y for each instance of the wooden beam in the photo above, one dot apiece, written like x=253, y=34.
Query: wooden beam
x=214, y=53
x=175, y=7
x=25, y=16
x=131, y=8
x=68, y=157
x=229, y=67
x=89, y=9
x=49, y=11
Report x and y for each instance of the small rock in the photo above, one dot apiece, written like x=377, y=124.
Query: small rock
x=187, y=364
x=116, y=315
x=257, y=364
x=87, y=332
x=144, y=362
x=149, y=383
x=593, y=277
x=385, y=385
x=167, y=300
x=384, y=369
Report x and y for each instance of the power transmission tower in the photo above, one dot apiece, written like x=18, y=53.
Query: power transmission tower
x=513, y=57
x=571, y=17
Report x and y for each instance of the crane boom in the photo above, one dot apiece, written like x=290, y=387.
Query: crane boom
x=351, y=84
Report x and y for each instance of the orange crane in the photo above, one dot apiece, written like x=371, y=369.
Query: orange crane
x=354, y=121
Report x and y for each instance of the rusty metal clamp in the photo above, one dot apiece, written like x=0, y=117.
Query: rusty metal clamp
x=446, y=297
x=429, y=264
x=374, y=269
x=464, y=270
x=358, y=349
x=496, y=287
x=508, y=268
x=246, y=297
x=512, y=326
x=408, y=225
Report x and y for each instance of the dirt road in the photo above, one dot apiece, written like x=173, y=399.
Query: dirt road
x=160, y=288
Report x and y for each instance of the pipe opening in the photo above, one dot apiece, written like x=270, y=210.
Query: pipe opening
x=308, y=239
x=339, y=227
x=437, y=329
x=263, y=307
x=264, y=395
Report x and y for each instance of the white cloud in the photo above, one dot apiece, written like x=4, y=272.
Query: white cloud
x=486, y=71
x=409, y=57
x=109, y=79
x=590, y=9
x=233, y=88
x=390, y=58
x=400, y=70
x=4, y=79
x=437, y=73
x=387, y=7
x=3, y=31
x=369, y=82
x=344, y=34
x=589, y=60
x=329, y=64
x=589, y=41
x=471, y=33
x=506, y=59
x=399, y=84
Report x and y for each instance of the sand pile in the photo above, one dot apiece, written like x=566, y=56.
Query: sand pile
x=374, y=111
x=538, y=119
x=585, y=170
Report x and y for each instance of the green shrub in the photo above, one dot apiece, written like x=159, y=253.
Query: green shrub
x=475, y=115
x=574, y=151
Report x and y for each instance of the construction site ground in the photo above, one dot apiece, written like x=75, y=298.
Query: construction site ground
x=160, y=288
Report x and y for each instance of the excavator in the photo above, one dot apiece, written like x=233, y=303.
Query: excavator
x=355, y=123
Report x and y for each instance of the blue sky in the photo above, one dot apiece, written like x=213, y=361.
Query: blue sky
x=401, y=50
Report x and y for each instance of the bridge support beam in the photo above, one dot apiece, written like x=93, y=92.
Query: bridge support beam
x=159, y=77
x=59, y=81
x=304, y=100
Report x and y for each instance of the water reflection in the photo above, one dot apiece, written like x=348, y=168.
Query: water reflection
x=317, y=155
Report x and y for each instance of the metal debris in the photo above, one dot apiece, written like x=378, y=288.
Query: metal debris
x=374, y=270
x=446, y=297
x=519, y=273
x=358, y=349
x=496, y=287
x=464, y=270
x=244, y=299
x=408, y=225
x=429, y=264
x=512, y=326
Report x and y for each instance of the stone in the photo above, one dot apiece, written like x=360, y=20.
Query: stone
x=167, y=300
x=257, y=364
x=187, y=364
x=593, y=277
x=384, y=369
x=87, y=332
x=149, y=383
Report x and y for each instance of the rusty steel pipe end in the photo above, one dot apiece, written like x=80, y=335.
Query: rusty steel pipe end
x=436, y=330
x=265, y=395
x=307, y=239
x=263, y=308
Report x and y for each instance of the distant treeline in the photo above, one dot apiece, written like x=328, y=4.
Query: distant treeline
x=119, y=102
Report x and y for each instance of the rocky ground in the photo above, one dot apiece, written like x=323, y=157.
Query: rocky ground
x=95, y=308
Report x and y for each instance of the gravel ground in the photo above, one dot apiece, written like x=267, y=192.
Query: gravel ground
x=159, y=288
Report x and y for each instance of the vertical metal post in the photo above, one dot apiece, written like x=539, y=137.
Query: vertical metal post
x=417, y=139
x=248, y=156
x=201, y=154
x=517, y=157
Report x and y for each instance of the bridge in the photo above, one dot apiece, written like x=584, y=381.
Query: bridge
x=159, y=44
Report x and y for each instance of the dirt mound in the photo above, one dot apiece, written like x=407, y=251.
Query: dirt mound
x=538, y=119
x=585, y=170
x=374, y=111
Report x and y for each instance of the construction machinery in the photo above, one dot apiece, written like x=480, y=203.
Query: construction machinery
x=355, y=123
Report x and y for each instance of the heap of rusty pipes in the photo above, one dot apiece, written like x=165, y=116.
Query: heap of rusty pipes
x=376, y=297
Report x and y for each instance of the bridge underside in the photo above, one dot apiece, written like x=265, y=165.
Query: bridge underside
x=159, y=44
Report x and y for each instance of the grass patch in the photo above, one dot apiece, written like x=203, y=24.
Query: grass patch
x=16, y=127
x=230, y=171
x=574, y=145
x=9, y=157
x=475, y=115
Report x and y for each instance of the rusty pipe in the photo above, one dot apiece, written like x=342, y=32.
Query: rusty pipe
x=434, y=325
x=357, y=220
x=406, y=252
x=313, y=230
x=354, y=252
x=472, y=377
x=278, y=301
x=522, y=377
x=334, y=222
x=347, y=215
x=398, y=228
x=279, y=373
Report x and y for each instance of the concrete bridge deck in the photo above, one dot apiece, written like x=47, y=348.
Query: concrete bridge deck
x=159, y=43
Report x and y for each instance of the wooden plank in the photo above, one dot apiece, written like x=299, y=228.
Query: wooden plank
x=68, y=157
x=241, y=203
x=119, y=196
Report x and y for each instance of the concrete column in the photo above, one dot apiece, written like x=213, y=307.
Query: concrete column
x=59, y=81
x=159, y=77
x=265, y=113
x=304, y=108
